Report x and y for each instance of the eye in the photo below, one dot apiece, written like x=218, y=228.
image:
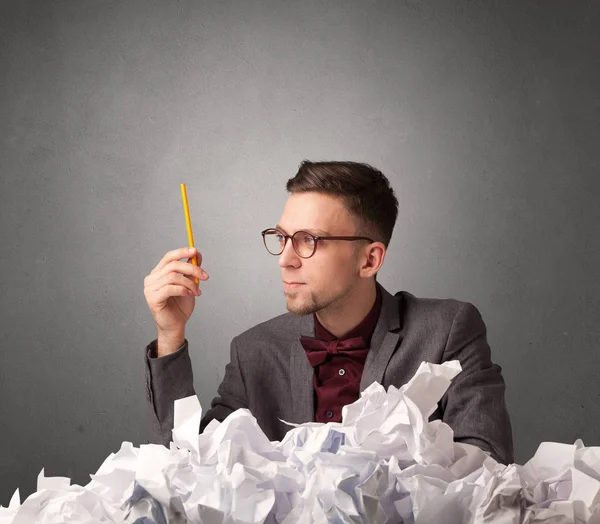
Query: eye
x=280, y=238
x=309, y=241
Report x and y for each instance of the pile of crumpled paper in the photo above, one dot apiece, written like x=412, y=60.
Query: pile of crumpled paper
x=384, y=463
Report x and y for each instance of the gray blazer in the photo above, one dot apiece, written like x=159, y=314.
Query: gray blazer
x=270, y=375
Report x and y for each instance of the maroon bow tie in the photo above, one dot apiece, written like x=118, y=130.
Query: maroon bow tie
x=318, y=350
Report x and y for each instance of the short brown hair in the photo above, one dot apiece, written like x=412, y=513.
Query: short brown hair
x=366, y=191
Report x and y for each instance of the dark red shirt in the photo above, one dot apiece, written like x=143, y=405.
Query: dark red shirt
x=337, y=380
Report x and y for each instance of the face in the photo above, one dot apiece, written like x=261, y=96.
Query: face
x=330, y=275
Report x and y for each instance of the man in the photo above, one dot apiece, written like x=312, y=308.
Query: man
x=343, y=330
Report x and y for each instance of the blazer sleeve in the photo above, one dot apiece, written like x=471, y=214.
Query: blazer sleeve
x=474, y=405
x=170, y=378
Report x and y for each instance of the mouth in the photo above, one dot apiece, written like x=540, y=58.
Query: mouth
x=292, y=285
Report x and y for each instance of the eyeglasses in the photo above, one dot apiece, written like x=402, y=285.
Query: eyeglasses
x=304, y=243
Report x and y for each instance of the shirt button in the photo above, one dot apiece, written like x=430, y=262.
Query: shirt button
x=329, y=414
x=342, y=372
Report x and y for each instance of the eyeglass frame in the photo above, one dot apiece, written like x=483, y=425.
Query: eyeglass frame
x=316, y=239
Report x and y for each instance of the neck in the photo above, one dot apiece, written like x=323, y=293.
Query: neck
x=343, y=316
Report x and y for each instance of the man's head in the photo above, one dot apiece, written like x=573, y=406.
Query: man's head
x=335, y=199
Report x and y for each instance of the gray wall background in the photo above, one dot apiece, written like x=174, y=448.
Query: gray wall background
x=484, y=115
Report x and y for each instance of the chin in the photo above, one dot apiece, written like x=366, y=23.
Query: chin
x=298, y=307
x=299, y=310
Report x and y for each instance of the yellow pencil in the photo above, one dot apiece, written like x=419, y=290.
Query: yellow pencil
x=188, y=224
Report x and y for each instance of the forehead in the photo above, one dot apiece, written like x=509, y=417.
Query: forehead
x=317, y=211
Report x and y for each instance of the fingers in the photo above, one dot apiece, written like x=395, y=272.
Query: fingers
x=174, y=277
x=180, y=268
x=173, y=284
x=172, y=290
x=178, y=254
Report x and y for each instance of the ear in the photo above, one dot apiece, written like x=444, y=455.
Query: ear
x=372, y=259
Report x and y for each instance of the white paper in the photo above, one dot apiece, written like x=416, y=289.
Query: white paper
x=385, y=462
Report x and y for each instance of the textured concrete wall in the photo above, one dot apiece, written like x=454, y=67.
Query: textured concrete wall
x=484, y=115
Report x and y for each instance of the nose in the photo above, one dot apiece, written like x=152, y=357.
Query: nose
x=288, y=257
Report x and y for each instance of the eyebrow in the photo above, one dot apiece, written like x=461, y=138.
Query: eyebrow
x=316, y=232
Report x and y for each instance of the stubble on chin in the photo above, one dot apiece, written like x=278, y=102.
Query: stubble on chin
x=298, y=308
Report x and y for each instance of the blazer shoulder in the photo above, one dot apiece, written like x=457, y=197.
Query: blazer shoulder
x=281, y=327
x=435, y=311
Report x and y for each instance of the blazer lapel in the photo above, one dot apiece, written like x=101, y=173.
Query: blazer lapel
x=384, y=341
x=303, y=393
